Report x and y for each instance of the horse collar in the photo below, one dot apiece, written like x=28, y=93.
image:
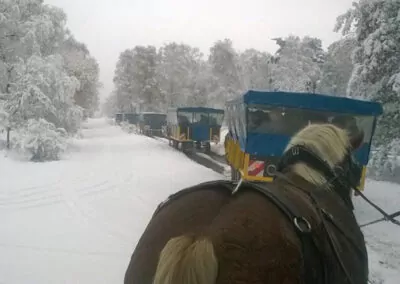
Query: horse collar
x=338, y=177
x=300, y=153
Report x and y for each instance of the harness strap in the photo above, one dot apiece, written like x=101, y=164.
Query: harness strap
x=226, y=184
x=313, y=271
x=334, y=244
x=331, y=237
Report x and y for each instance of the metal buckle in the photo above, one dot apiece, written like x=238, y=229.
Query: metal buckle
x=302, y=225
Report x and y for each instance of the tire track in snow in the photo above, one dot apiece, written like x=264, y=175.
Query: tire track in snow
x=77, y=198
x=66, y=251
x=86, y=214
x=46, y=196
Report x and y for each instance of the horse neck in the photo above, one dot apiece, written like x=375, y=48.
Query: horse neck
x=310, y=175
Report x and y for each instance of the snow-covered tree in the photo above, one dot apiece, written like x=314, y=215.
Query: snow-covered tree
x=256, y=69
x=110, y=107
x=136, y=80
x=125, y=93
x=81, y=65
x=178, y=70
x=206, y=90
x=42, y=89
x=145, y=78
x=183, y=77
x=40, y=140
x=338, y=66
x=36, y=88
x=376, y=74
x=224, y=61
x=299, y=64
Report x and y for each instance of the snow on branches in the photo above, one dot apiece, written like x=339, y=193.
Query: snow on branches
x=376, y=26
x=178, y=74
x=40, y=84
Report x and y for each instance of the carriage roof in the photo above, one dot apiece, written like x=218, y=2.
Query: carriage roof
x=150, y=112
x=310, y=101
x=198, y=109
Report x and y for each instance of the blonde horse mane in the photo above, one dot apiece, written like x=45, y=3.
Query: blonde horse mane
x=327, y=141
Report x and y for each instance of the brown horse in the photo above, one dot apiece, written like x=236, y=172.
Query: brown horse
x=298, y=229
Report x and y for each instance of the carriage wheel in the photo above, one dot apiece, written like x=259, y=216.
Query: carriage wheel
x=208, y=147
x=187, y=147
x=198, y=145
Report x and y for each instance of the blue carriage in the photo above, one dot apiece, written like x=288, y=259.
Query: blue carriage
x=152, y=123
x=131, y=118
x=261, y=124
x=119, y=117
x=190, y=127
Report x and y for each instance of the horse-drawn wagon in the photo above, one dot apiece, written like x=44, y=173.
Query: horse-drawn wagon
x=194, y=126
x=119, y=117
x=131, y=118
x=152, y=123
x=261, y=124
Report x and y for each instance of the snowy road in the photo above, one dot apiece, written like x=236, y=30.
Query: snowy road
x=78, y=220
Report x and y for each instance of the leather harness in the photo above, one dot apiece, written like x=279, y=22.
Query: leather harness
x=316, y=269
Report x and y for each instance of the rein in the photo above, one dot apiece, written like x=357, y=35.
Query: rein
x=386, y=216
x=300, y=153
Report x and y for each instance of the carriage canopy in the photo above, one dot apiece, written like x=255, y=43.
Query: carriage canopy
x=131, y=117
x=154, y=120
x=263, y=122
x=198, y=124
x=196, y=115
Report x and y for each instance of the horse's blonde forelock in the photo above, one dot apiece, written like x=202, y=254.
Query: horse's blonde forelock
x=327, y=141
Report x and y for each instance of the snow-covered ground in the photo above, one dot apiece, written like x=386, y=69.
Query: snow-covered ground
x=78, y=220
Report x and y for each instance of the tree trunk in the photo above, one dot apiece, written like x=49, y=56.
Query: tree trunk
x=8, y=137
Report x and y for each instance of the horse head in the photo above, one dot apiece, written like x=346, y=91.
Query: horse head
x=322, y=154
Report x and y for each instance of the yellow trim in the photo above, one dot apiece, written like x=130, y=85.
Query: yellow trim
x=240, y=161
x=264, y=179
x=177, y=135
x=362, y=180
x=246, y=164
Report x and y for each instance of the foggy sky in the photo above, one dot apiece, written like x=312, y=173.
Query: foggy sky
x=109, y=27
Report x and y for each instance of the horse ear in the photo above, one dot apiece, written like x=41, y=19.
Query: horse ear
x=357, y=140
